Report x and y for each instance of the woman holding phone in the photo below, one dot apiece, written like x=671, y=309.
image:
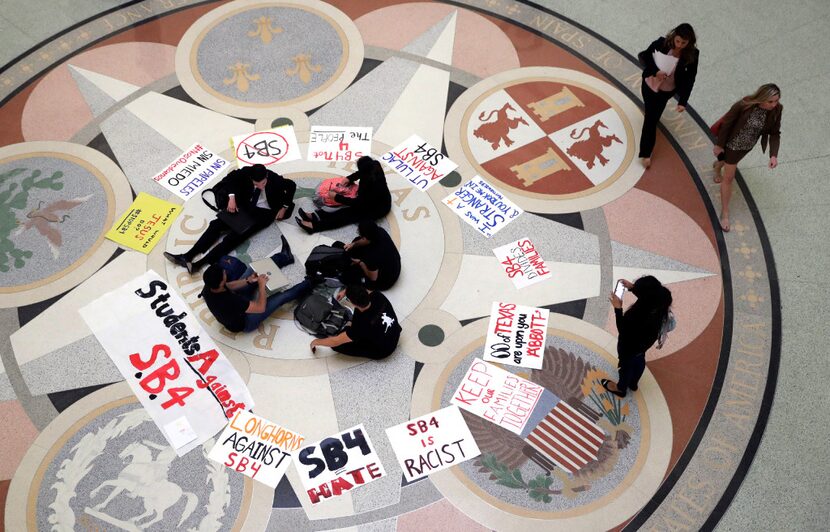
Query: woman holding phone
x=638, y=328
x=658, y=87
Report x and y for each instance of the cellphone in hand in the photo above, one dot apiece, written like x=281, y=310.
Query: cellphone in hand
x=619, y=289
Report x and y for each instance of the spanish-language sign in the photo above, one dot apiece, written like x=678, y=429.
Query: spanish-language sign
x=327, y=143
x=522, y=263
x=269, y=147
x=179, y=375
x=337, y=464
x=516, y=335
x=432, y=443
x=143, y=224
x=497, y=395
x=256, y=447
x=191, y=170
x=418, y=162
x=482, y=206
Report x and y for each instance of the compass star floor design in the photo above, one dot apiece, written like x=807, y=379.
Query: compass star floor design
x=548, y=111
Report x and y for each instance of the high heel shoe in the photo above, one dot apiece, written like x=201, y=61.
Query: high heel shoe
x=303, y=226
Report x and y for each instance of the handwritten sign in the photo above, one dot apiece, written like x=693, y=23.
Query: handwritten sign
x=144, y=223
x=337, y=464
x=482, y=206
x=268, y=148
x=522, y=263
x=256, y=447
x=327, y=143
x=169, y=361
x=497, y=395
x=191, y=170
x=431, y=443
x=516, y=335
x=418, y=162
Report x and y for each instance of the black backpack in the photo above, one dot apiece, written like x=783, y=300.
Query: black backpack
x=321, y=316
x=326, y=261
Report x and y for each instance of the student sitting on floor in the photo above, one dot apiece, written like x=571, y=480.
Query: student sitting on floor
x=374, y=331
x=240, y=304
x=376, y=262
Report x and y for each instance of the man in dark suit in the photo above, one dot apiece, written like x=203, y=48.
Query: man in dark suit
x=245, y=188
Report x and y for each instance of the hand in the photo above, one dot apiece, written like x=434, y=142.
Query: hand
x=356, y=261
x=262, y=279
x=717, y=150
x=314, y=344
x=615, y=301
x=627, y=284
x=680, y=108
x=773, y=162
x=232, y=204
x=331, y=194
x=281, y=213
x=252, y=279
x=348, y=246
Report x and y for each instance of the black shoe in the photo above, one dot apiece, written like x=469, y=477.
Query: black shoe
x=194, y=267
x=286, y=248
x=284, y=257
x=304, y=215
x=302, y=226
x=178, y=260
x=605, y=383
x=633, y=387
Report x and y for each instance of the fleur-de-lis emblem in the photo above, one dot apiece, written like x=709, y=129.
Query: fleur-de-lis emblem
x=303, y=67
x=264, y=30
x=241, y=76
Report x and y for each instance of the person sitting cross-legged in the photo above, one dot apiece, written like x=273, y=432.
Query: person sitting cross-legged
x=241, y=305
x=374, y=330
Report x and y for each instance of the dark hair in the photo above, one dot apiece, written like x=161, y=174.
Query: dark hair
x=358, y=295
x=213, y=276
x=366, y=167
x=258, y=172
x=686, y=32
x=368, y=230
x=652, y=298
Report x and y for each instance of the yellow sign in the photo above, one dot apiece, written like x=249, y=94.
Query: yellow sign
x=144, y=223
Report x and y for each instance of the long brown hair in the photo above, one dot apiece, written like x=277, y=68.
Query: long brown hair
x=765, y=92
x=686, y=32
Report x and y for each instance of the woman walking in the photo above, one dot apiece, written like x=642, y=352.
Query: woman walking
x=678, y=55
x=750, y=118
x=638, y=328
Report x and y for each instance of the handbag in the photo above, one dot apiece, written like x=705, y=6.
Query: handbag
x=239, y=222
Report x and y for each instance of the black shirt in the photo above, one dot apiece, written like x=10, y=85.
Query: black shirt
x=228, y=307
x=377, y=327
x=373, y=196
x=382, y=256
x=637, y=330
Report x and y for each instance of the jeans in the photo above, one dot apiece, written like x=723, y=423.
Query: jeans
x=274, y=302
x=630, y=372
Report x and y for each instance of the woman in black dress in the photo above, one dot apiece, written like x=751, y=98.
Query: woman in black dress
x=373, y=200
x=638, y=328
x=658, y=86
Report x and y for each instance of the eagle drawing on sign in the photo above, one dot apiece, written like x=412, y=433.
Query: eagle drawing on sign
x=45, y=219
x=503, y=453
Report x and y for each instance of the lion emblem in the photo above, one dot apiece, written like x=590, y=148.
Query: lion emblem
x=495, y=132
x=590, y=149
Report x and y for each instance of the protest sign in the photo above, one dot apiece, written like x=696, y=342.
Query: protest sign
x=482, y=206
x=522, y=263
x=432, y=443
x=144, y=223
x=497, y=395
x=516, y=335
x=420, y=163
x=169, y=361
x=268, y=148
x=191, y=171
x=256, y=447
x=326, y=143
x=335, y=465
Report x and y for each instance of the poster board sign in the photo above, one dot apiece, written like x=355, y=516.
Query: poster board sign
x=432, y=442
x=482, y=206
x=256, y=447
x=497, y=395
x=278, y=145
x=522, y=263
x=516, y=335
x=144, y=223
x=191, y=171
x=170, y=362
x=419, y=162
x=329, y=143
x=332, y=466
